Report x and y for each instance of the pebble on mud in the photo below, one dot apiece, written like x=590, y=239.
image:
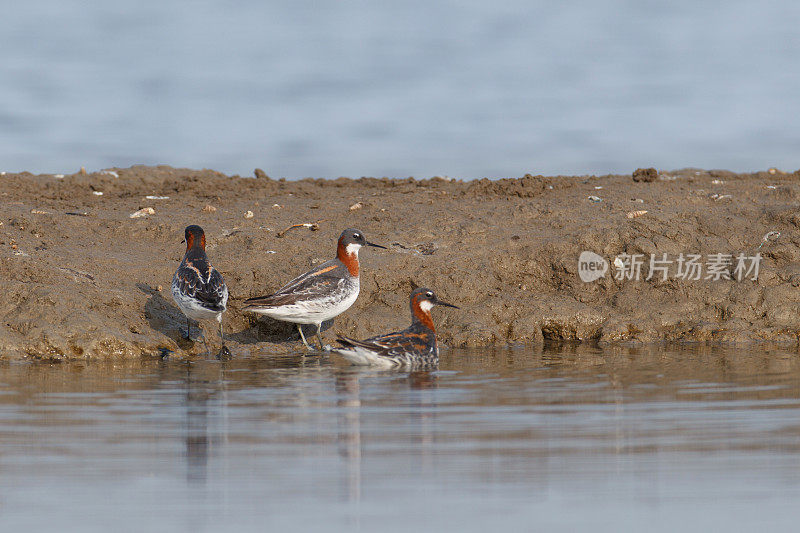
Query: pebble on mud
x=594, y=199
x=143, y=212
x=209, y=209
x=249, y=214
x=645, y=174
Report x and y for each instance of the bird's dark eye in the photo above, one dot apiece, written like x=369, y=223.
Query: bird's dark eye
x=429, y=294
x=356, y=235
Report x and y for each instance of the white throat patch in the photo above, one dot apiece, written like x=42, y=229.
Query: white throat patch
x=426, y=305
x=352, y=248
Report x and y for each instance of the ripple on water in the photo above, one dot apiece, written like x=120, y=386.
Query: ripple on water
x=562, y=437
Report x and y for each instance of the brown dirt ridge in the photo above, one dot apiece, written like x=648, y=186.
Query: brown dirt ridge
x=82, y=278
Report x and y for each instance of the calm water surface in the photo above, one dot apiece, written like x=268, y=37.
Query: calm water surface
x=554, y=439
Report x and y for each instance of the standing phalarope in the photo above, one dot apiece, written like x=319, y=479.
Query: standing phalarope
x=320, y=294
x=197, y=287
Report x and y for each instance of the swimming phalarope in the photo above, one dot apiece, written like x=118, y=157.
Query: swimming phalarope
x=415, y=346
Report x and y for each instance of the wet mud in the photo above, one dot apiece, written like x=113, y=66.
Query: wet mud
x=81, y=278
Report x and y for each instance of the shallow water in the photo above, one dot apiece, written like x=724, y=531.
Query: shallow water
x=556, y=439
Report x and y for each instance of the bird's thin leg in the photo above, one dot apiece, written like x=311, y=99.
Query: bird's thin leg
x=319, y=337
x=303, y=337
x=208, y=350
x=224, y=353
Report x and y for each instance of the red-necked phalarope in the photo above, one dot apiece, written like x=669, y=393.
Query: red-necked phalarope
x=197, y=287
x=415, y=346
x=320, y=294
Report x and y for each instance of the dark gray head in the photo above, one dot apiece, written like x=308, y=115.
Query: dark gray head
x=195, y=236
x=351, y=240
x=425, y=299
x=422, y=301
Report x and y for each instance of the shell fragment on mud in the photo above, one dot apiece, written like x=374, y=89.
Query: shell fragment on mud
x=636, y=214
x=770, y=236
x=145, y=211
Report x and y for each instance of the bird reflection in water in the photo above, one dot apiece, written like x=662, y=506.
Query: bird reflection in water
x=349, y=404
x=203, y=386
x=197, y=395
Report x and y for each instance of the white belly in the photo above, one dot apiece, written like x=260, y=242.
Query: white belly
x=313, y=311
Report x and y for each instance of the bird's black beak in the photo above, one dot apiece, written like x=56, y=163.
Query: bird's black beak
x=439, y=302
x=376, y=245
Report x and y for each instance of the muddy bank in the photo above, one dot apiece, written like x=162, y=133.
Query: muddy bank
x=82, y=278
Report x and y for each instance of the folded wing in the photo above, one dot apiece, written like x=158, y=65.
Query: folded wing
x=211, y=292
x=390, y=345
x=309, y=286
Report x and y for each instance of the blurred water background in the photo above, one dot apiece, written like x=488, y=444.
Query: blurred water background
x=351, y=88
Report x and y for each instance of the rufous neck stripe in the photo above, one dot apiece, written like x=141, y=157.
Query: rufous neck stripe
x=423, y=317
